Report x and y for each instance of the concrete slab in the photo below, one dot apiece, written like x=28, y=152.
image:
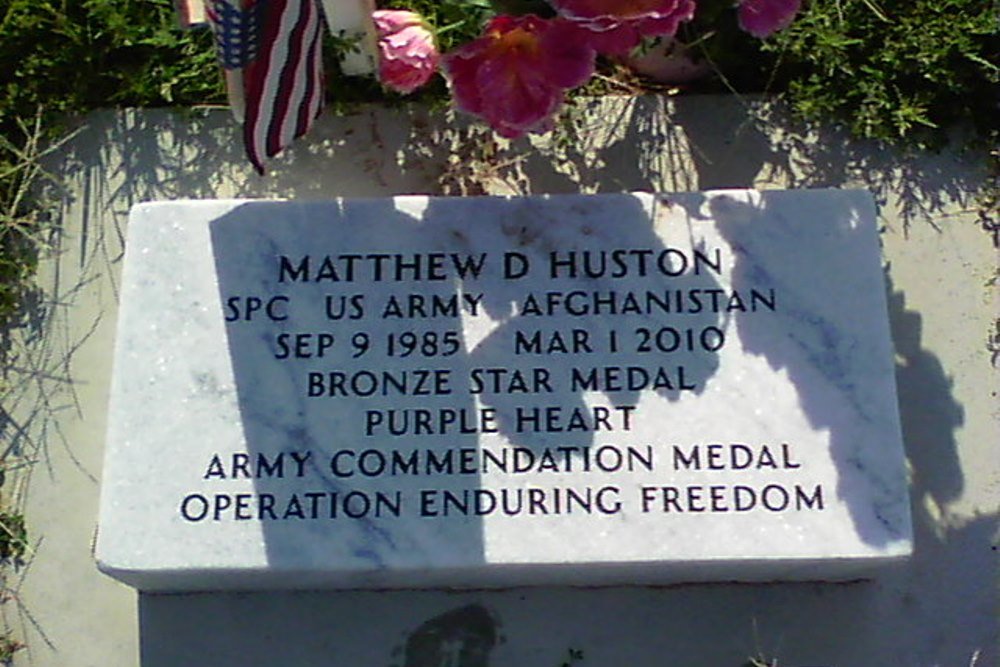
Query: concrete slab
x=939, y=609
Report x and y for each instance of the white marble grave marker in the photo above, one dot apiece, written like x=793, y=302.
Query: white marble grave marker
x=487, y=391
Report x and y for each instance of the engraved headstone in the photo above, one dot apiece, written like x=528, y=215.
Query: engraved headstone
x=487, y=391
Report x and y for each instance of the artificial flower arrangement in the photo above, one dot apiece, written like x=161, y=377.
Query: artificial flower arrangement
x=514, y=76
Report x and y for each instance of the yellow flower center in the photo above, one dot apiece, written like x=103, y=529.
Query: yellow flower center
x=517, y=42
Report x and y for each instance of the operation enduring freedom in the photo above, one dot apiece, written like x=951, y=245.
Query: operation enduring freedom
x=524, y=500
x=510, y=501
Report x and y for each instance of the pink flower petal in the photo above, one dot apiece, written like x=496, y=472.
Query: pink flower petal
x=617, y=26
x=515, y=74
x=763, y=18
x=408, y=56
x=569, y=56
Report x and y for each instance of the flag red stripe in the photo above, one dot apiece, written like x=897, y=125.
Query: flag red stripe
x=283, y=85
x=289, y=78
x=256, y=78
x=312, y=102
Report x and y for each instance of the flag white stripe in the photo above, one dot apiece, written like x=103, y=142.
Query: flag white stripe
x=278, y=55
x=317, y=75
x=301, y=84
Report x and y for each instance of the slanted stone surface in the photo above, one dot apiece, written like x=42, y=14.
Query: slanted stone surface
x=487, y=391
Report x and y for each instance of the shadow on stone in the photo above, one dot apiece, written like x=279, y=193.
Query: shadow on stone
x=843, y=379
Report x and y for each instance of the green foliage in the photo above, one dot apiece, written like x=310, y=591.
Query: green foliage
x=77, y=55
x=456, y=21
x=18, y=227
x=65, y=57
x=13, y=536
x=17, y=265
x=895, y=69
x=8, y=647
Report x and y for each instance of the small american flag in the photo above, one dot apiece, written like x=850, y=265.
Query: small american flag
x=271, y=53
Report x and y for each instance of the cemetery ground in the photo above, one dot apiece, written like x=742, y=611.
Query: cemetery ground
x=938, y=226
x=938, y=608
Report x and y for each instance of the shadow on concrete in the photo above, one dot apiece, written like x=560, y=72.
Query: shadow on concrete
x=937, y=609
x=751, y=141
x=464, y=637
x=929, y=413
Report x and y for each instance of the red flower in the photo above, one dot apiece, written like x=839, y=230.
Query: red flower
x=616, y=27
x=514, y=75
x=763, y=18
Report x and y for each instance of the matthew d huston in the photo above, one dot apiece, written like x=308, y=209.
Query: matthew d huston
x=288, y=503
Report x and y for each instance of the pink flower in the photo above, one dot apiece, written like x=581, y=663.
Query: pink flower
x=515, y=74
x=616, y=27
x=408, y=56
x=763, y=18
